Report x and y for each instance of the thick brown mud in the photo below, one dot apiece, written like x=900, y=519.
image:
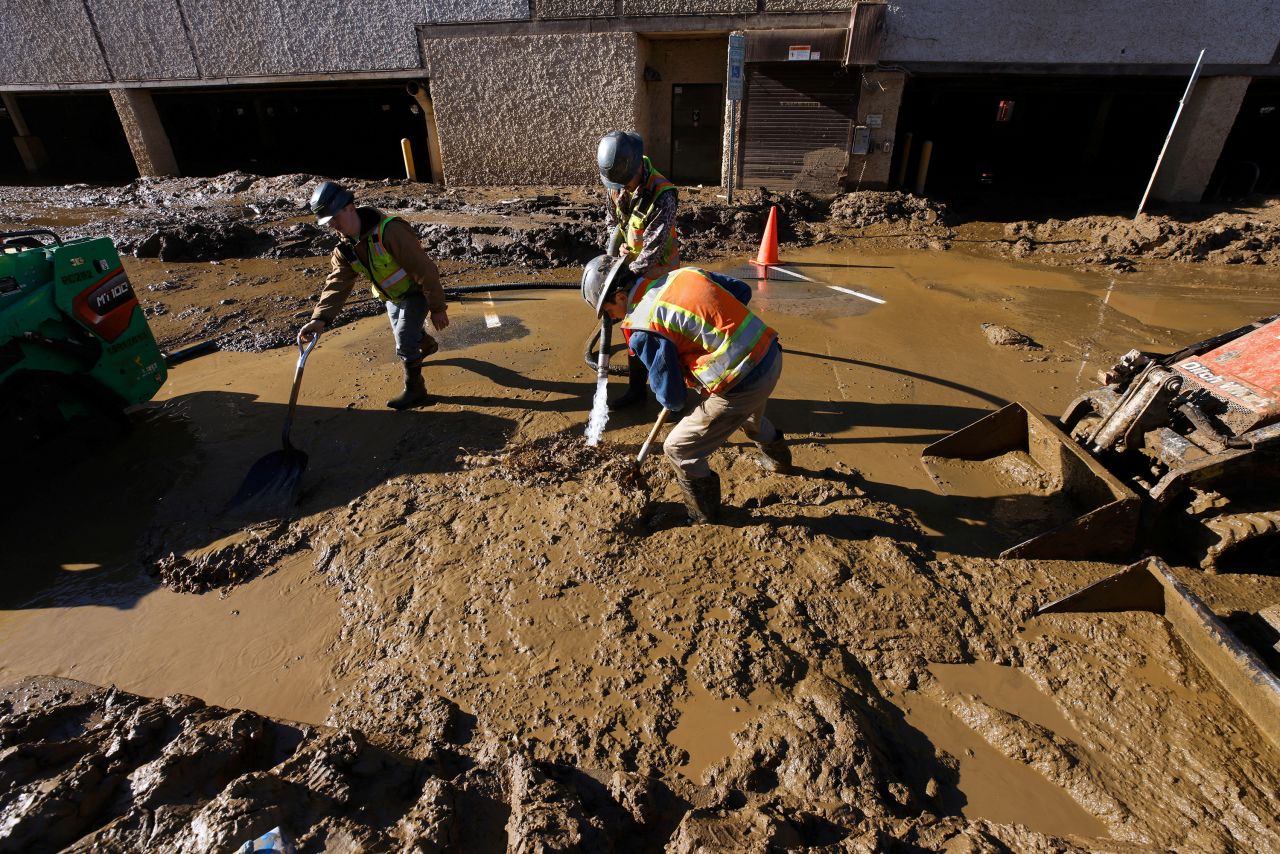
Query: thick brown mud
x=496, y=637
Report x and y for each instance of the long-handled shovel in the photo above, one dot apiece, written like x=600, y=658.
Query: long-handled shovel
x=276, y=479
x=653, y=434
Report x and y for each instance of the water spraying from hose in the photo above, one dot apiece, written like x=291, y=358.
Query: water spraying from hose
x=600, y=404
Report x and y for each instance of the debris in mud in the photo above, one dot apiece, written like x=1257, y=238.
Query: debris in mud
x=563, y=457
x=231, y=560
x=1004, y=336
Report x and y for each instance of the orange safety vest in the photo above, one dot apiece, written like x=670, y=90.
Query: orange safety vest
x=642, y=212
x=718, y=339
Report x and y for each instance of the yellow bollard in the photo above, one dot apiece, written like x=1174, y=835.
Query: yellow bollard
x=406, y=148
x=900, y=180
x=926, y=151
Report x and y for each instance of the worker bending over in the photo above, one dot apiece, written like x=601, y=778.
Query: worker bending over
x=386, y=250
x=640, y=225
x=692, y=329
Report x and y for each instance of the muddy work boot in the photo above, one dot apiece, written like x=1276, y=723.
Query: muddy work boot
x=775, y=456
x=415, y=388
x=637, y=386
x=701, y=497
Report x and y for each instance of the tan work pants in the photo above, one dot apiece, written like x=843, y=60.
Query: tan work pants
x=709, y=426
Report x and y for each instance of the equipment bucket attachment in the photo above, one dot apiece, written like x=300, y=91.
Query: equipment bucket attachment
x=1107, y=511
x=1150, y=586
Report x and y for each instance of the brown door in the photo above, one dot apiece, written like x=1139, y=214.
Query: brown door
x=797, y=122
x=697, y=122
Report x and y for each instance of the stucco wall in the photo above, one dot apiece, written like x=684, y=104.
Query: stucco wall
x=453, y=11
x=687, y=7
x=530, y=109
x=1107, y=31
x=147, y=43
x=48, y=41
x=806, y=5
x=881, y=94
x=251, y=37
x=574, y=8
x=53, y=41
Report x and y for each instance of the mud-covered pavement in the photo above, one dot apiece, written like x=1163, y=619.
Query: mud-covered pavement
x=498, y=638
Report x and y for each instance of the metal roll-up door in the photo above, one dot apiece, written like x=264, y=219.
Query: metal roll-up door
x=797, y=122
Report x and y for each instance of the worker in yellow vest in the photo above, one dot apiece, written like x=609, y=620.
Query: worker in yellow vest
x=640, y=223
x=693, y=330
x=386, y=251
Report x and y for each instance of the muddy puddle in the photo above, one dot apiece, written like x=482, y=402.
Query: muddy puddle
x=480, y=652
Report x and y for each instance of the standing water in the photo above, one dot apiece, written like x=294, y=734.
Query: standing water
x=600, y=405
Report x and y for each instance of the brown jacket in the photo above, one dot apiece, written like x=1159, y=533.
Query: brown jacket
x=403, y=244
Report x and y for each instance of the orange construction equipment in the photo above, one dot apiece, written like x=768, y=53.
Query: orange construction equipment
x=768, y=253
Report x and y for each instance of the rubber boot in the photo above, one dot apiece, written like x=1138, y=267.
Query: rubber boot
x=775, y=456
x=637, y=386
x=415, y=388
x=701, y=497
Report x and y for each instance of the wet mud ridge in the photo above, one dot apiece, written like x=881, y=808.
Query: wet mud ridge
x=96, y=769
x=525, y=670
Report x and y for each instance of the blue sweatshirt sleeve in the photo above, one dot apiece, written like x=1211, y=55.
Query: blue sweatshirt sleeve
x=741, y=290
x=666, y=377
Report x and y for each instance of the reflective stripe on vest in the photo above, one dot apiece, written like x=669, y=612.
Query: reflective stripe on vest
x=390, y=281
x=642, y=211
x=718, y=339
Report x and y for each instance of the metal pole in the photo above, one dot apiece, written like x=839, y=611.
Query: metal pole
x=733, y=127
x=1191, y=84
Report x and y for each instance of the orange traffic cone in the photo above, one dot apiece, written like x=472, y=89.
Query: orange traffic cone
x=768, y=253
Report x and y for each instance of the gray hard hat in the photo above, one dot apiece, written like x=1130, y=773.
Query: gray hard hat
x=601, y=278
x=328, y=199
x=620, y=157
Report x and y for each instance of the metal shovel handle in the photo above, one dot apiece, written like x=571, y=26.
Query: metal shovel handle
x=303, y=352
x=653, y=434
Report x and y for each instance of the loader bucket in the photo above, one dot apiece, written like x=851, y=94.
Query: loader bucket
x=1150, y=586
x=1102, y=512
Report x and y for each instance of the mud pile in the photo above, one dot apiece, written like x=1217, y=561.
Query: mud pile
x=1222, y=238
x=868, y=208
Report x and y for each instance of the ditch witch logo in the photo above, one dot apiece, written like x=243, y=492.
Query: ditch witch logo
x=1237, y=391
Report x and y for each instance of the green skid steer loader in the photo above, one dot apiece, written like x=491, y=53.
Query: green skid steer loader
x=75, y=348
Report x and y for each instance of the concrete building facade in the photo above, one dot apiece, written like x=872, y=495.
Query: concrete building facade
x=518, y=91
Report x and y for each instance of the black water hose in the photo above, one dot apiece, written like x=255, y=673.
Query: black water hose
x=591, y=355
x=512, y=286
x=186, y=354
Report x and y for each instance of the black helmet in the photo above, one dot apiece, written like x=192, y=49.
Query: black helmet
x=620, y=157
x=601, y=278
x=328, y=199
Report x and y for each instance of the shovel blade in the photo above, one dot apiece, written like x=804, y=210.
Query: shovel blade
x=273, y=483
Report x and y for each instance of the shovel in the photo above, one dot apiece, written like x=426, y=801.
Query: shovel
x=648, y=443
x=276, y=479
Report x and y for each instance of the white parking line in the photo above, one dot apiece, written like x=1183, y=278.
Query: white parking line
x=852, y=293
x=490, y=317
x=790, y=272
